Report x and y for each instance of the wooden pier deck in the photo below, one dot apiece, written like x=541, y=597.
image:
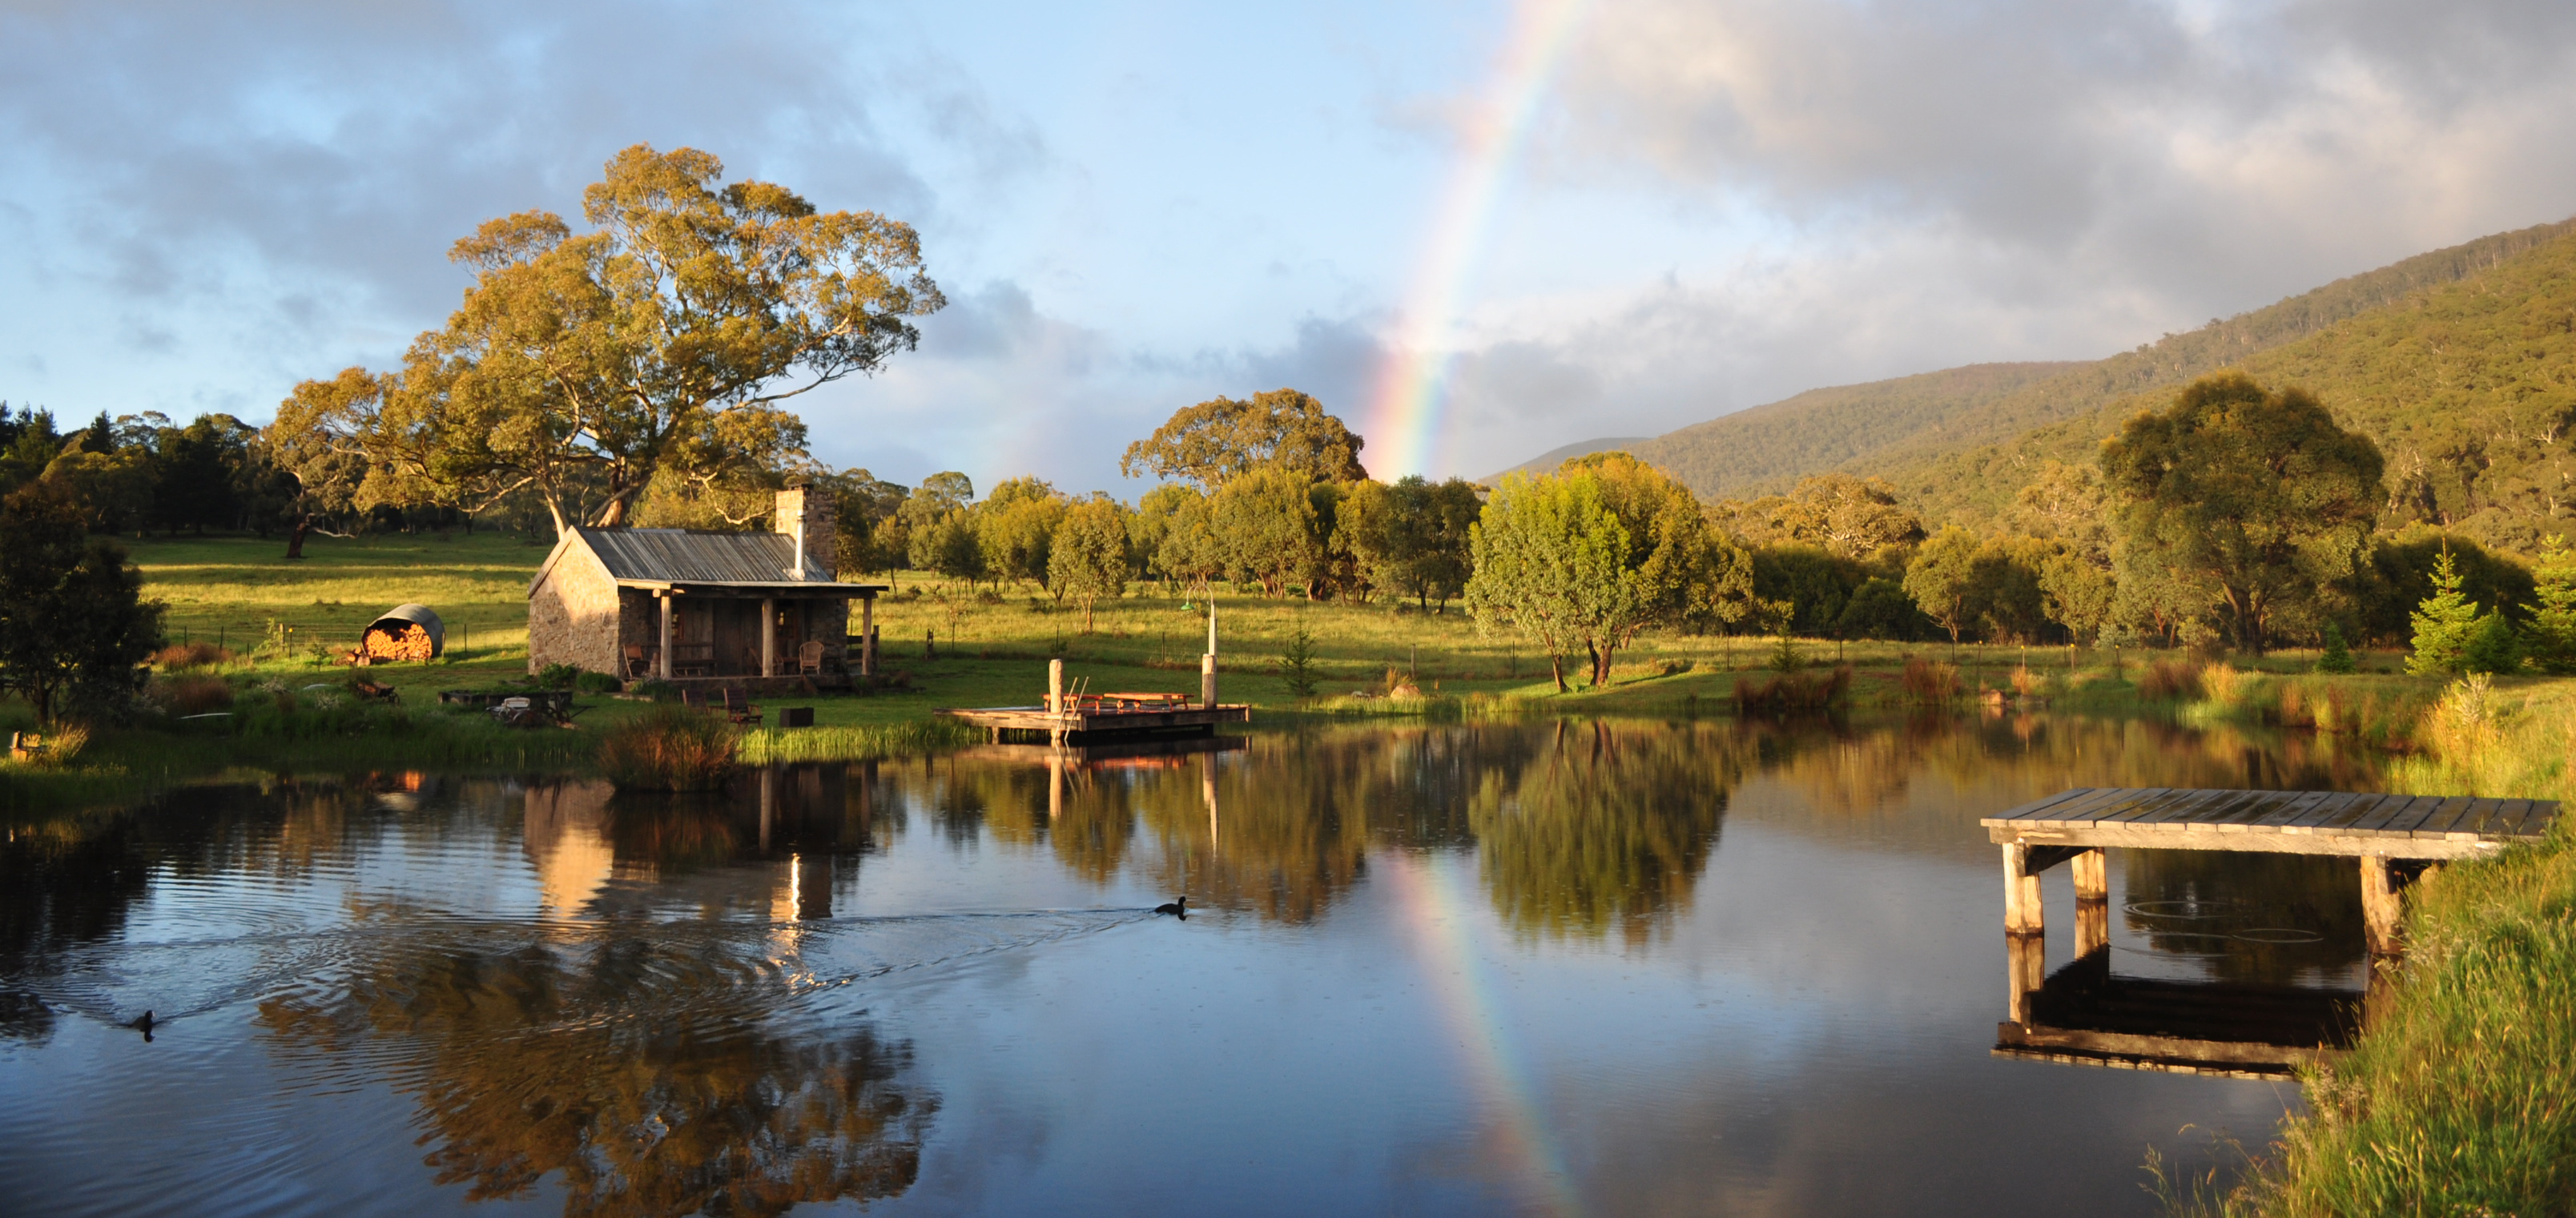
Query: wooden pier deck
x=1091, y=723
x=2079, y=824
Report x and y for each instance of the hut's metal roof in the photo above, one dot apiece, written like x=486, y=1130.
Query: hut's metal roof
x=690, y=556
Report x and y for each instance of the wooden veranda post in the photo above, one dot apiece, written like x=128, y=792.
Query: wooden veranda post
x=867, y=636
x=769, y=636
x=662, y=657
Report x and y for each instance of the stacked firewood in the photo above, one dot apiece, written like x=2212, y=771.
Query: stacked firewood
x=411, y=644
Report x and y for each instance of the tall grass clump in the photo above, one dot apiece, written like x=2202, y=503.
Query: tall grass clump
x=1929, y=682
x=2166, y=680
x=178, y=656
x=1792, y=693
x=669, y=748
x=865, y=742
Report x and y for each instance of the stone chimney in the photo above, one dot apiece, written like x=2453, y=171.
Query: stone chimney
x=806, y=514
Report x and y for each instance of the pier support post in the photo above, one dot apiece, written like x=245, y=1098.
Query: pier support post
x=2023, y=914
x=2379, y=905
x=2092, y=875
x=1055, y=687
x=2025, y=969
x=1055, y=786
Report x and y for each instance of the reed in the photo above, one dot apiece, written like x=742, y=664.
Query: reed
x=669, y=748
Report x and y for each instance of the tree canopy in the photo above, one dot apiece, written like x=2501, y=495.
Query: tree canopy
x=581, y=365
x=2255, y=499
x=1222, y=439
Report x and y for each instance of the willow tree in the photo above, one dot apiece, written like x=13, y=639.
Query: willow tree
x=663, y=340
x=2257, y=498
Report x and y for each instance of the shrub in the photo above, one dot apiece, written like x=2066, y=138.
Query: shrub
x=2169, y=679
x=597, y=683
x=659, y=691
x=2224, y=684
x=557, y=676
x=2025, y=682
x=1929, y=682
x=669, y=748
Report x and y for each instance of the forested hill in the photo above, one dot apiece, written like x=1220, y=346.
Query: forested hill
x=1930, y=430
x=2461, y=364
x=1769, y=447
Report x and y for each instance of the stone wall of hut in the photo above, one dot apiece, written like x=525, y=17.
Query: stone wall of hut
x=573, y=614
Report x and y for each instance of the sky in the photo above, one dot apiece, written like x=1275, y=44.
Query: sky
x=1475, y=229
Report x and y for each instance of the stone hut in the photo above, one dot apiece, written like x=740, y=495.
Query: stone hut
x=684, y=604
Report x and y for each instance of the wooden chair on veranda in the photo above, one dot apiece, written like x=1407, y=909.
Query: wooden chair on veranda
x=739, y=709
x=809, y=658
x=638, y=663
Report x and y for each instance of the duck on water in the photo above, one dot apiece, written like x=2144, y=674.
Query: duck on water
x=1178, y=909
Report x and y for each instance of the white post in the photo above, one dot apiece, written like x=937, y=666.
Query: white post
x=769, y=636
x=1055, y=687
x=662, y=660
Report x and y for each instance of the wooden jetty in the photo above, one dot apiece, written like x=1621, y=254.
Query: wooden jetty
x=2390, y=835
x=1082, y=718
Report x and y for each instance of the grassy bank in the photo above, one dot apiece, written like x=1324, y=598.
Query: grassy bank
x=2461, y=1097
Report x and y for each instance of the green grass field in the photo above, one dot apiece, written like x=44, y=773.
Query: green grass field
x=991, y=645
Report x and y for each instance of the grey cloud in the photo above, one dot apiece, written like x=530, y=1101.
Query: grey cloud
x=311, y=163
x=2200, y=152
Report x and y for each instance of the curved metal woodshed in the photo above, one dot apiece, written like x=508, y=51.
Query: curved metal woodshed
x=386, y=635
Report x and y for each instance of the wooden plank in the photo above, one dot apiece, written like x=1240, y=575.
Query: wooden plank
x=2323, y=810
x=2444, y=816
x=2126, y=803
x=2211, y=812
x=2237, y=815
x=2365, y=806
x=2487, y=813
x=2166, y=802
x=2152, y=837
x=2290, y=812
x=2085, y=810
x=2377, y=823
x=2533, y=821
x=2034, y=807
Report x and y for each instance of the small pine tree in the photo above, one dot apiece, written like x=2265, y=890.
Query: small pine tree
x=1786, y=657
x=2552, y=638
x=2492, y=647
x=2337, y=656
x=1297, y=664
x=2443, y=624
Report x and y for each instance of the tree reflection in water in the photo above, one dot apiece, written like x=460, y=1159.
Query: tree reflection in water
x=1607, y=827
x=646, y=1072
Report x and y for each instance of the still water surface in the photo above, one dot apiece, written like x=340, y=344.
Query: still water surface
x=1618, y=968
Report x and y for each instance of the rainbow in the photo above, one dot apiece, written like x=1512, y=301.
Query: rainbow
x=1443, y=921
x=1405, y=406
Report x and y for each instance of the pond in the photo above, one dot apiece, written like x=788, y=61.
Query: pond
x=1546, y=968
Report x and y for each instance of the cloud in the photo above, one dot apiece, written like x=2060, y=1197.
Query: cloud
x=293, y=173
x=1871, y=189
